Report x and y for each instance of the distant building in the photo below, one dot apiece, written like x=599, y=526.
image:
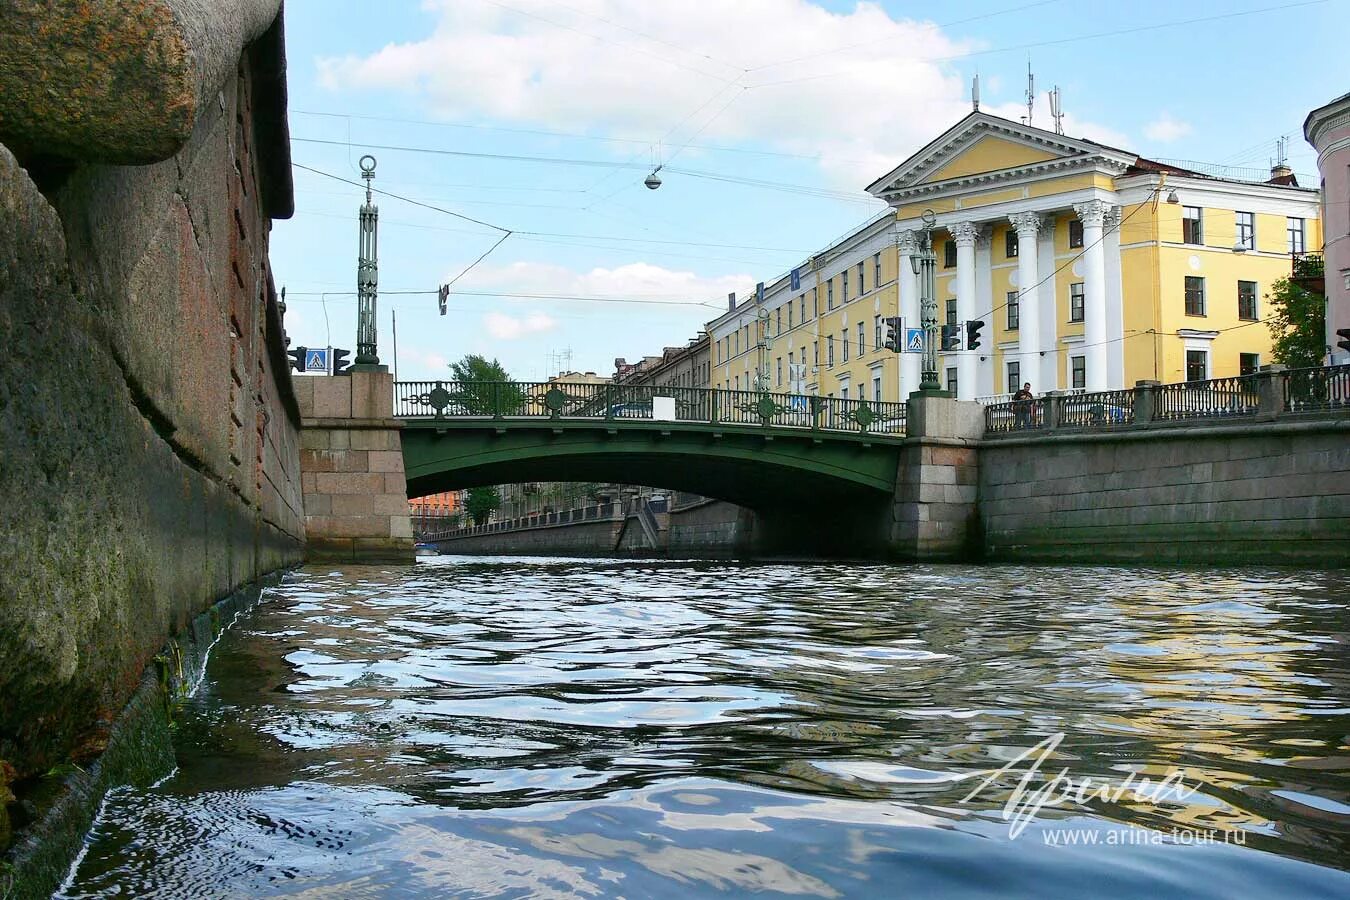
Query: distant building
x=1327, y=128
x=1090, y=267
x=688, y=366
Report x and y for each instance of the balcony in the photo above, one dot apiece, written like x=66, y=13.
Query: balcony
x=1307, y=270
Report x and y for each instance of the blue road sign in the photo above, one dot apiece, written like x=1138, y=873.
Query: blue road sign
x=913, y=340
x=316, y=360
x=795, y=280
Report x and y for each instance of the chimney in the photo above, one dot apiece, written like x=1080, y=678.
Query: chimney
x=1280, y=173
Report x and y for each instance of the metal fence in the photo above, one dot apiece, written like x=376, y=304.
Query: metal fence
x=1215, y=398
x=566, y=400
x=1015, y=415
x=1317, y=390
x=1103, y=408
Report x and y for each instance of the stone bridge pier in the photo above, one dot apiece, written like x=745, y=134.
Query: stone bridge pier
x=351, y=470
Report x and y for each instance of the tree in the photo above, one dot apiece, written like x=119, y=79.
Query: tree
x=1297, y=324
x=485, y=388
x=481, y=503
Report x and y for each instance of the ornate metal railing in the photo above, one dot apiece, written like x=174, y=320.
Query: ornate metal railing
x=1316, y=390
x=566, y=400
x=1015, y=415
x=1216, y=398
x=1103, y=408
x=1309, y=264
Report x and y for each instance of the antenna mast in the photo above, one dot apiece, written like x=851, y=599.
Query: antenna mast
x=1031, y=92
x=975, y=93
x=1057, y=110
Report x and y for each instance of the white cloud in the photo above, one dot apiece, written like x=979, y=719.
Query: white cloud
x=633, y=281
x=1166, y=129
x=861, y=109
x=510, y=328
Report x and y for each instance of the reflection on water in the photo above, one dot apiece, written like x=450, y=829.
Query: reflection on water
x=567, y=728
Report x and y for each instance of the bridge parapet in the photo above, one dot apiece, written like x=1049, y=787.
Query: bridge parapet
x=619, y=402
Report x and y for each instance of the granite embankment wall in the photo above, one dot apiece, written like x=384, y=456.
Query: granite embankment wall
x=712, y=528
x=149, y=448
x=1276, y=492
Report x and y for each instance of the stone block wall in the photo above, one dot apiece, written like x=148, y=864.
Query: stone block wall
x=935, y=514
x=593, y=538
x=351, y=464
x=149, y=438
x=713, y=528
x=1250, y=493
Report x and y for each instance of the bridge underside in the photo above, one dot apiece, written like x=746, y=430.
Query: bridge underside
x=800, y=485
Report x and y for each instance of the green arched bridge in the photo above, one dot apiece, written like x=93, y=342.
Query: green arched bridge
x=764, y=451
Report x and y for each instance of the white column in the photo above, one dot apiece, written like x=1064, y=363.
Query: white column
x=1092, y=214
x=965, y=233
x=1028, y=227
x=1115, y=306
x=984, y=301
x=911, y=364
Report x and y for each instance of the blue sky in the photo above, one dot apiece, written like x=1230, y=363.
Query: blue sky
x=769, y=117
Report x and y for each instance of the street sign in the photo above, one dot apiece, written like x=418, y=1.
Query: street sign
x=316, y=360
x=913, y=340
x=795, y=280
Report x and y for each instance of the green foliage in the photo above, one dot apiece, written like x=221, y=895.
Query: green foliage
x=1297, y=324
x=485, y=388
x=481, y=503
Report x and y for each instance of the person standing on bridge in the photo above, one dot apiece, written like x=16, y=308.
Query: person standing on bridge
x=1022, y=411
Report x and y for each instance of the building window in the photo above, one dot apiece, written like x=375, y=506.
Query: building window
x=951, y=380
x=1246, y=231
x=843, y=392
x=736, y=346
x=1014, y=310
x=862, y=286
x=829, y=350
x=951, y=311
x=829, y=294
x=876, y=387
x=1014, y=377
x=1077, y=371
x=1075, y=233
x=1249, y=363
x=1247, y=300
x=778, y=321
x=1076, y=302
x=778, y=373
x=1195, y=295
x=789, y=306
x=862, y=339
x=1010, y=243
x=1296, y=235
x=876, y=332
x=843, y=339
x=1197, y=365
x=815, y=302
x=876, y=271
x=1192, y=231
x=949, y=255
x=815, y=353
x=843, y=286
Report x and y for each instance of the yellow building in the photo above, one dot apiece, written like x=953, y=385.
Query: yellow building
x=1091, y=267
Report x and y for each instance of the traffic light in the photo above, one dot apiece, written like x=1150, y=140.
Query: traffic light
x=443, y=297
x=297, y=355
x=339, y=358
x=951, y=337
x=973, y=334
x=1344, y=342
x=894, y=334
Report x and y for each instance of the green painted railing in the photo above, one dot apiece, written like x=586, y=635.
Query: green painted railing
x=618, y=402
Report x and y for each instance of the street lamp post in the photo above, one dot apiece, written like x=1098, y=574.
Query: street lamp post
x=925, y=266
x=367, y=275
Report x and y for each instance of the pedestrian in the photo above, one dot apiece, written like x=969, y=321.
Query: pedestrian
x=1022, y=410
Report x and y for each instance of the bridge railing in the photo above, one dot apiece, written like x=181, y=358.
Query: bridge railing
x=574, y=400
x=1317, y=389
x=1215, y=398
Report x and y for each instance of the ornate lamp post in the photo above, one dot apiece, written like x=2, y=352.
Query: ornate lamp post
x=367, y=275
x=925, y=266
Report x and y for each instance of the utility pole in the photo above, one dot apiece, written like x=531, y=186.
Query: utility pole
x=367, y=277
x=925, y=263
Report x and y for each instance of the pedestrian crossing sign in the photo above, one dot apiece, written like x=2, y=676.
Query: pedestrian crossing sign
x=316, y=360
x=913, y=340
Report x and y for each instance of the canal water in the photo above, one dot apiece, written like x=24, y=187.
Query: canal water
x=564, y=728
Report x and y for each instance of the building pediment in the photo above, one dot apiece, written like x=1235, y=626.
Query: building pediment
x=986, y=147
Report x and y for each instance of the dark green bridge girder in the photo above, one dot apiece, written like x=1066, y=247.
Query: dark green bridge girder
x=755, y=467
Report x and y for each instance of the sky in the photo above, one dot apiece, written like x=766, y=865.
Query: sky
x=524, y=129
